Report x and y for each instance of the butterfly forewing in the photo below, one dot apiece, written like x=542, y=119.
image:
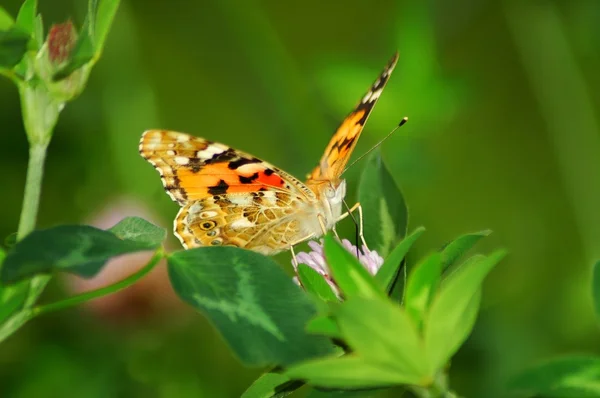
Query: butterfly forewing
x=344, y=140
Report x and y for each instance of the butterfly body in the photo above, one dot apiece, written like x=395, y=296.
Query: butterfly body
x=229, y=197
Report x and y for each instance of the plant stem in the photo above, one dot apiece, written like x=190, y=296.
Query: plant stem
x=103, y=291
x=437, y=389
x=33, y=185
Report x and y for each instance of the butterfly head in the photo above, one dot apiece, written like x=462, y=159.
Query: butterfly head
x=332, y=198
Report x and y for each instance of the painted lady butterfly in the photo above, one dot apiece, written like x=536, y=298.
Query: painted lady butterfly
x=229, y=197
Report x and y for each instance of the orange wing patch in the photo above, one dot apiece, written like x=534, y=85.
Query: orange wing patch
x=344, y=140
x=193, y=168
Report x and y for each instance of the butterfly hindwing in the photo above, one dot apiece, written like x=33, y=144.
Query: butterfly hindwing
x=262, y=221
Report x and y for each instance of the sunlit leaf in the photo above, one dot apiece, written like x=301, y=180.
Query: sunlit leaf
x=444, y=331
x=260, y=312
x=381, y=332
x=6, y=19
x=389, y=270
x=574, y=376
x=385, y=215
x=421, y=286
x=26, y=17
x=348, y=273
x=107, y=10
x=348, y=372
x=78, y=249
x=271, y=385
x=458, y=247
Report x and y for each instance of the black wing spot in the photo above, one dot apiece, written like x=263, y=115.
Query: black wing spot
x=248, y=180
x=218, y=189
x=242, y=161
x=222, y=157
x=268, y=172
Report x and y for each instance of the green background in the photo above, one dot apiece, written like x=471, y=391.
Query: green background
x=503, y=106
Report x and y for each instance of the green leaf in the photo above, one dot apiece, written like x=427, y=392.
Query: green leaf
x=271, y=385
x=78, y=249
x=573, y=376
x=444, y=332
x=10, y=240
x=260, y=312
x=325, y=326
x=381, y=332
x=26, y=16
x=421, y=286
x=6, y=20
x=90, y=19
x=389, y=270
x=12, y=298
x=596, y=288
x=13, y=45
x=38, y=32
x=385, y=215
x=335, y=393
x=107, y=10
x=348, y=273
x=14, y=322
x=315, y=283
x=137, y=229
x=347, y=372
x=458, y=247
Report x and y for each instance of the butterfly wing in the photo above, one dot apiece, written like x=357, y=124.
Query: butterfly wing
x=228, y=197
x=344, y=140
x=192, y=168
x=265, y=221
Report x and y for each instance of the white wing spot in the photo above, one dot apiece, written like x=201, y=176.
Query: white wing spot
x=242, y=223
x=209, y=152
x=241, y=200
x=208, y=214
x=182, y=160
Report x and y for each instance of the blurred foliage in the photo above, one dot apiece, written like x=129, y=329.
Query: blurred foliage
x=503, y=134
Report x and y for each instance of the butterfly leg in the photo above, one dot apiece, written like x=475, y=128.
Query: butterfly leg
x=360, y=221
x=335, y=233
x=294, y=259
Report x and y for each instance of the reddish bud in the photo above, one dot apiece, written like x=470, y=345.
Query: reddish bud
x=61, y=41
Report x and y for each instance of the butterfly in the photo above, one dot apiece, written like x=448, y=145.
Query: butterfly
x=231, y=198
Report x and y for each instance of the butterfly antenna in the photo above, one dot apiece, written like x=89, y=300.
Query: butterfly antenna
x=355, y=226
x=402, y=122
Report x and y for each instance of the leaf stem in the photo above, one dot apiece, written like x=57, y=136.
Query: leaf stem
x=103, y=291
